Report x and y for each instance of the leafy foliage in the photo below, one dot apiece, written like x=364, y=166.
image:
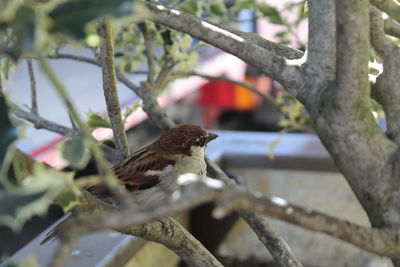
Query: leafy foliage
x=8, y=134
x=75, y=152
x=97, y=121
x=33, y=195
x=294, y=117
x=71, y=17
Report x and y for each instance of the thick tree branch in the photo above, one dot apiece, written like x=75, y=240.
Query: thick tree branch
x=390, y=7
x=343, y=119
x=273, y=65
x=197, y=190
x=90, y=216
x=188, y=248
x=388, y=91
x=110, y=89
x=280, y=49
x=321, y=51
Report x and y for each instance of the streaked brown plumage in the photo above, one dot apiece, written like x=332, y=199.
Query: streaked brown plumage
x=153, y=170
x=150, y=174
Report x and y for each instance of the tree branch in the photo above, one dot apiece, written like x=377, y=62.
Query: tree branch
x=267, y=98
x=34, y=106
x=91, y=216
x=276, y=245
x=162, y=121
x=390, y=7
x=280, y=49
x=321, y=52
x=149, y=53
x=150, y=105
x=273, y=65
x=343, y=119
x=392, y=27
x=107, y=175
x=110, y=89
x=41, y=123
x=388, y=91
x=196, y=190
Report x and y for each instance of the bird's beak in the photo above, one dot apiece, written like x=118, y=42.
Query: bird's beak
x=211, y=136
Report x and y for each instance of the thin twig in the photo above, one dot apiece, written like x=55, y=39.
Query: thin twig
x=164, y=75
x=267, y=98
x=150, y=105
x=76, y=58
x=276, y=245
x=149, y=53
x=41, y=123
x=34, y=105
x=107, y=175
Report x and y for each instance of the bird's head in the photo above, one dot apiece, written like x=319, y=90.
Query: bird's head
x=185, y=139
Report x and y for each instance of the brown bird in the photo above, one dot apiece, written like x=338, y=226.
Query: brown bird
x=151, y=173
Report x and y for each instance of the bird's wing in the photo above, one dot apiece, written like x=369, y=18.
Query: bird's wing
x=139, y=171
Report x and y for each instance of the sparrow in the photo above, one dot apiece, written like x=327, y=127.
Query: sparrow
x=151, y=173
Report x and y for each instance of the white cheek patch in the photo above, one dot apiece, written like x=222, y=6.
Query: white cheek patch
x=197, y=151
x=152, y=173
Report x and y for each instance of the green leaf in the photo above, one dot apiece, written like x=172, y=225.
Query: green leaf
x=217, y=9
x=8, y=134
x=68, y=199
x=273, y=145
x=243, y=4
x=166, y=36
x=189, y=6
x=34, y=195
x=74, y=151
x=23, y=25
x=12, y=204
x=71, y=17
x=97, y=121
x=131, y=109
x=271, y=13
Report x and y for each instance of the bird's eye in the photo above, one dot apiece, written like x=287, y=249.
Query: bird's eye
x=201, y=141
